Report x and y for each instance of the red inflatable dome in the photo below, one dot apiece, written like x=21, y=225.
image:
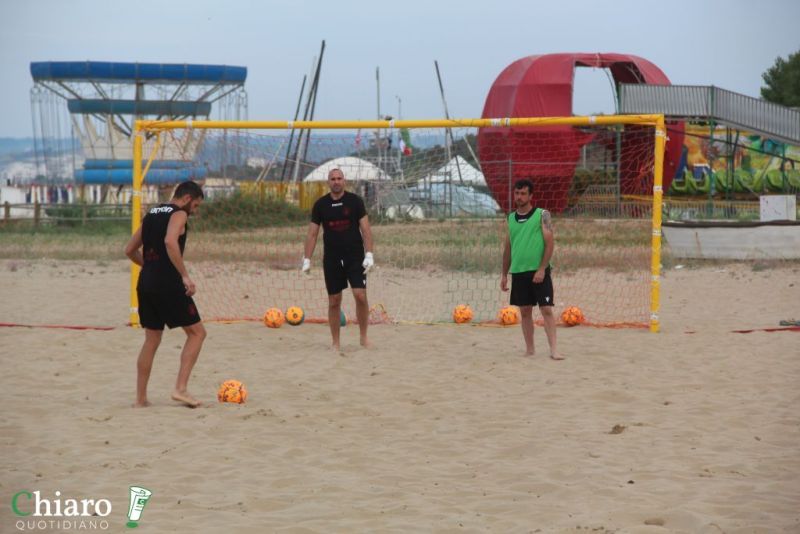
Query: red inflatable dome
x=541, y=86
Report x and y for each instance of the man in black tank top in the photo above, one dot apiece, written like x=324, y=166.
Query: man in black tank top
x=346, y=233
x=165, y=290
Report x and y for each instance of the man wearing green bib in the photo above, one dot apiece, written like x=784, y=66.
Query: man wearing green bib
x=526, y=255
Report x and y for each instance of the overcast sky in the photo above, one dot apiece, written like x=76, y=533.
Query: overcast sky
x=725, y=43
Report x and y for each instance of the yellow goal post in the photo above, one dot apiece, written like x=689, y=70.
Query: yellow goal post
x=149, y=129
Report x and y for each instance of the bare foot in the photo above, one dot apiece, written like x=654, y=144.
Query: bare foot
x=335, y=347
x=143, y=404
x=365, y=343
x=557, y=356
x=186, y=399
x=530, y=353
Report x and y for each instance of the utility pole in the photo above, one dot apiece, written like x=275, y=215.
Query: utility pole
x=449, y=135
x=379, y=132
x=291, y=134
x=400, y=134
x=311, y=99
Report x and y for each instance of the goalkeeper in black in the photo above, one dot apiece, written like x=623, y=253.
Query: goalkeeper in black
x=346, y=236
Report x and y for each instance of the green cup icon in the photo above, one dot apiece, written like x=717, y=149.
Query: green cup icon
x=139, y=497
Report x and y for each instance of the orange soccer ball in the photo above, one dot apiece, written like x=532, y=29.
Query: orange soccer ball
x=273, y=318
x=572, y=316
x=232, y=391
x=462, y=314
x=508, y=315
x=295, y=315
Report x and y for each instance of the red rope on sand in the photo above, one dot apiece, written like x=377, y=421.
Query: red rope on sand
x=65, y=326
x=324, y=321
x=778, y=329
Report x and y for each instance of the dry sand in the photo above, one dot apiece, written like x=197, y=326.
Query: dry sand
x=438, y=428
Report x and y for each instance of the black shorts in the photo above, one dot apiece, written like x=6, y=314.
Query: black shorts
x=172, y=309
x=340, y=271
x=525, y=293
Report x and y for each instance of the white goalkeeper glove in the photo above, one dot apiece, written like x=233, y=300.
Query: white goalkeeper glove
x=368, y=263
x=306, y=268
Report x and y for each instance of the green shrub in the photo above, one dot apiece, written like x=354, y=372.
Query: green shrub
x=241, y=211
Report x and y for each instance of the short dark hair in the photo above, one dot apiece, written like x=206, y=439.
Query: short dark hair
x=189, y=188
x=523, y=183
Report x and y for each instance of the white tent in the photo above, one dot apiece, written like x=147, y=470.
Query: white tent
x=461, y=199
x=354, y=169
x=458, y=171
x=454, y=184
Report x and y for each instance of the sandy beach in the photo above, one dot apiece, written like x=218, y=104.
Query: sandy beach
x=437, y=428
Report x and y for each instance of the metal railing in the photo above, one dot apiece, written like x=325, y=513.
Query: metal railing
x=712, y=103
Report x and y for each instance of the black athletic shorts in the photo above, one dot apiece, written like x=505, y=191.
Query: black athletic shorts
x=340, y=271
x=525, y=293
x=172, y=309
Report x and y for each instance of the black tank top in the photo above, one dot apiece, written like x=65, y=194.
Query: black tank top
x=158, y=273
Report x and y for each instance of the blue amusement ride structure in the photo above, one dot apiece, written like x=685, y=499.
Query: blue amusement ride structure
x=102, y=100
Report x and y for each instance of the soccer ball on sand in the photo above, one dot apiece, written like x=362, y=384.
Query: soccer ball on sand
x=508, y=316
x=462, y=314
x=572, y=316
x=295, y=315
x=273, y=318
x=232, y=391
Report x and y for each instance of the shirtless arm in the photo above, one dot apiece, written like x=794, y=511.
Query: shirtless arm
x=176, y=228
x=506, y=261
x=549, y=245
x=134, y=248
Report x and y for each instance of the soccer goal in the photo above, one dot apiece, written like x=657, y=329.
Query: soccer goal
x=437, y=193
